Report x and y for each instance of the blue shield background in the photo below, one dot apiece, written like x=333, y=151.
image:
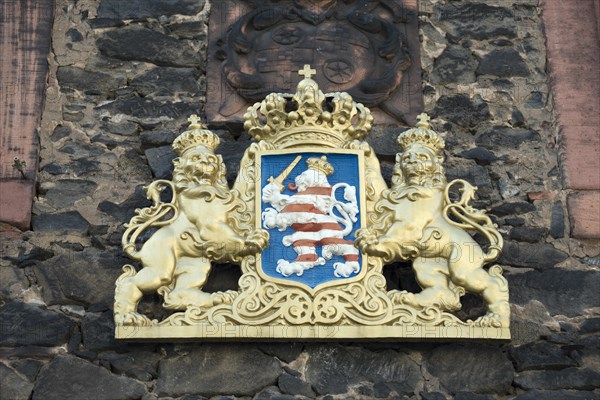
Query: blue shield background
x=346, y=169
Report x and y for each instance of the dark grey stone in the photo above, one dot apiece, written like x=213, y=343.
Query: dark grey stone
x=557, y=224
x=478, y=20
x=539, y=255
x=232, y=153
x=109, y=142
x=225, y=277
x=145, y=109
x=141, y=44
x=480, y=155
x=124, y=128
x=517, y=119
x=98, y=332
x=125, y=210
x=481, y=369
x=383, y=141
x=268, y=393
x=512, y=208
x=514, y=221
x=380, y=389
x=570, y=378
x=90, y=82
x=160, y=160
x=74, y=35
x=13, y=386
x=167, y=81
x=12, y=283
x=67, y=191
x=354, y=365
x=157, y=138
x=55, y=169
x=477, y=175
x=590, y=326
x=189, y=30
x=503, y=137
x=542, y=355
x=30, y=325
x=595, y=261
x=433, y=396
x=536, y=100
x=462, y=111
x=293, y=385
x=472, y=396
x=67, y=222
x=527, y=234
x=28, y=367
x=286, y=352
x=562, y=291
x=85, y=167
x=141, y=365
x=557, y=395
x=81, y=150
x=85, y=277
x=503, y=63
x=60, y=132
x=239, y=370
x=141, y=9
x=68, y=377
x=455, y=65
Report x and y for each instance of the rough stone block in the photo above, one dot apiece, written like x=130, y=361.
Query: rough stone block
x=481, y=369
x=396, y=370
x=12, y=385
x=570, y=378
x=30, y=325
x=68, y=377
x=217, y=369
x=562, y=291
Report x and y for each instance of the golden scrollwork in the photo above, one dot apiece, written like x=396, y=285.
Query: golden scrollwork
x=417, y=220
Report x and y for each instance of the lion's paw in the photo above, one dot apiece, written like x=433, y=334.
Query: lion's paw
x=404, y=297
x=491, y=320
x=226, y=297
x=257, y=240
x=135, y=319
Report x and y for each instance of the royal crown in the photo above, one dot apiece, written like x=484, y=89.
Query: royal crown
x=320, y=164
x=196, y=135
x=309, y=117
x=422, y=134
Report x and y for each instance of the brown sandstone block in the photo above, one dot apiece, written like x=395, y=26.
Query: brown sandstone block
x=15, y=203
x=584, y=214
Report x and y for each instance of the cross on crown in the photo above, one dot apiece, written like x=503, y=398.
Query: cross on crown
x=194, y=121
x=423, y=120
x=307, y=72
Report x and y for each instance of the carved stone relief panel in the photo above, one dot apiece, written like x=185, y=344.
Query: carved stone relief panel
x=368, y=48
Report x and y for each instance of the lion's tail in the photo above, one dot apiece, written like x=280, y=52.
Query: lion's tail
x=469, y=218
x=153, y=216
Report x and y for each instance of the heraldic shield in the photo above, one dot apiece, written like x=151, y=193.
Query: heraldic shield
x=311, y=222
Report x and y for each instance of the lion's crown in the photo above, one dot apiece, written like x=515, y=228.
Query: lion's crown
x=422, y=134
x=194, y=136
x=311, y=117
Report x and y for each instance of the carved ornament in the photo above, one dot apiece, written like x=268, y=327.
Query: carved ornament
x=312, y=223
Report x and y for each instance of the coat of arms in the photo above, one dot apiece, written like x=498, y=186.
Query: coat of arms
x=311, y=222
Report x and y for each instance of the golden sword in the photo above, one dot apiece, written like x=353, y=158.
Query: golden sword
x=279, y=180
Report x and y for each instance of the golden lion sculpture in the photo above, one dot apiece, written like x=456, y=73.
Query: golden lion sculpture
x=195, y=228
x=416, y=220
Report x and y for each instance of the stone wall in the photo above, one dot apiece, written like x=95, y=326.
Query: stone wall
x=124, y=76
